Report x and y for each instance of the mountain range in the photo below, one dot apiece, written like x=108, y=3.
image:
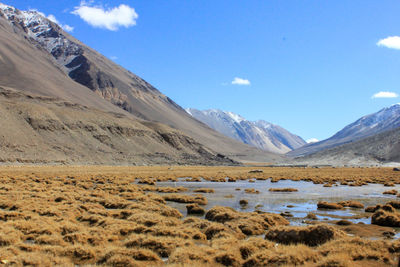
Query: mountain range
x=261, y=134
x=38, y=59
x=63, y=102
x=384, y=120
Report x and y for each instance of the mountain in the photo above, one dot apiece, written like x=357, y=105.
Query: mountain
x=381, y=121
x=39, y=129
x=376, y=149
x=261, y=134
x=39, y=58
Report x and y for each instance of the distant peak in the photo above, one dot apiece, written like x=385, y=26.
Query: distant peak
x=189, y=111
x=312, y=140
x=235, y=116
x=3, y=6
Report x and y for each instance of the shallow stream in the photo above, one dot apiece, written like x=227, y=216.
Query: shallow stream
x=299, y=204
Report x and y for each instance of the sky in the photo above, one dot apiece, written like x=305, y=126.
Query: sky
x=311, y=67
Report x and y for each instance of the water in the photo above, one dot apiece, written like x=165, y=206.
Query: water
x=303, y=201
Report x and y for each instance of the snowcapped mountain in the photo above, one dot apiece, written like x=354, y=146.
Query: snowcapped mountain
x=261, y=134
x=384, y=120
x=38, y=57
x=46, y=33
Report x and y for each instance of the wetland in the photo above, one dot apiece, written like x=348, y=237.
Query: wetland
x=238, y=216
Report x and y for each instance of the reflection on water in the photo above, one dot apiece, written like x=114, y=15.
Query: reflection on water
x=300, y=203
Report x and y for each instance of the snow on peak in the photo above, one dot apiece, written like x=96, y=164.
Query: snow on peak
x=45, y=31
x=312, y=140
x=235, y=117
x=3, y=6
x=188, y=111
x=264, y=124
x=35, y=21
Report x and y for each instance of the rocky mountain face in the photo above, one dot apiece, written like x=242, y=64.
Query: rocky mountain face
x=39, y=129
x=261, y=134
x=370, y=125
x=382, y=148
x=37, y=57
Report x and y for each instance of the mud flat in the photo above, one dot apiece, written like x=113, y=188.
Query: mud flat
x=69, y=216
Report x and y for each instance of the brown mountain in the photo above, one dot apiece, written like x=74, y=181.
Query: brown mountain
x=376, y=149
x=39, y=129
x=38, y=57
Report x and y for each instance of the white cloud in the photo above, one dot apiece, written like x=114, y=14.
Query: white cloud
x=113, y=57
x=312, y=140
x=240, y=81
x=383, y=94
x=110, y=19
x=65, y=27
x=52, y=18
x=390, y=42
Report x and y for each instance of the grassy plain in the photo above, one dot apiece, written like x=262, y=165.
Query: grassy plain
x=99, y=215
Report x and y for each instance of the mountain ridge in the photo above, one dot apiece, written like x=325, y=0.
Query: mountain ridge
x=39, y=129
x=32, y=48
x=262, y=134
x=379, y=149
x=383, y=120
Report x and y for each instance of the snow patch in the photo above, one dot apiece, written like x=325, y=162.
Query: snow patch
x=312, y=140
x=188, y=111
x=46, y=32
x=235, y=117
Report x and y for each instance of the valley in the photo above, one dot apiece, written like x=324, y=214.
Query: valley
x=98, y=167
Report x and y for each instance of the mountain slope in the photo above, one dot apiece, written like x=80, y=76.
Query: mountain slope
x=261, y=134
x=381, y=121
x=379, y=148
x=103, y=77
x=38, y=129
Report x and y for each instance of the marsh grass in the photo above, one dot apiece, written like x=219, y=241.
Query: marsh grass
x=99, y=215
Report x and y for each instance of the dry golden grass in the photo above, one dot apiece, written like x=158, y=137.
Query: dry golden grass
x=99, y=215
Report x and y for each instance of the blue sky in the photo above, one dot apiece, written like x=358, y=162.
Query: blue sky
x=309, y=66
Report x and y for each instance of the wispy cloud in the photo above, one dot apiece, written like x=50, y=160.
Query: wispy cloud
x=240, y=81
x=312, y=140
x=384, y=94
x=111, y=19
x=390, y=42
x=67, y=28
x=113, y=57
x=64, y=26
